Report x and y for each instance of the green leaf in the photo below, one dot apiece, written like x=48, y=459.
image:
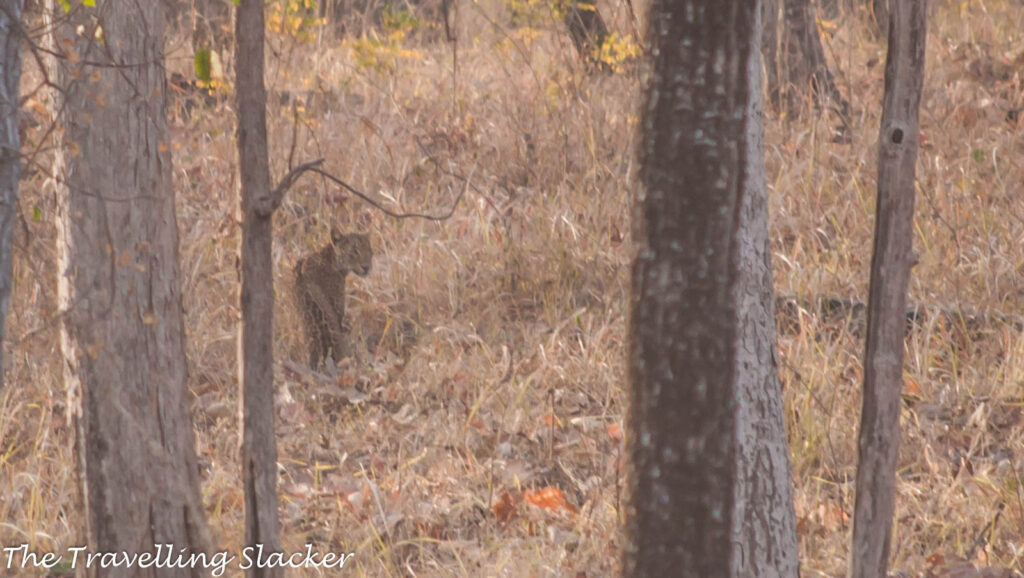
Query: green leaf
x=37, y=214
x=203, y=65
x=89, y=3
x=65, y=5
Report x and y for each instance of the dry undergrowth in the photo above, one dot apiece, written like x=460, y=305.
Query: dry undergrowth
x=491, y=345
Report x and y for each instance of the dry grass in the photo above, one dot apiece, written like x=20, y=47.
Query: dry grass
x=491, y=345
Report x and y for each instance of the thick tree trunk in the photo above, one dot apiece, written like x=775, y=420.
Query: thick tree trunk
x=122, y=331
x=709, y=490
x=10, y=150
x=256, y=352
x=878, y=441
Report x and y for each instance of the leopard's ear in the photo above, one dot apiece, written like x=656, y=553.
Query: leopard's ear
x=336, y=235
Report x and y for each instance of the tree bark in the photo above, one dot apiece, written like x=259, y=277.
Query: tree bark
x=10, y=150
x=334, y=12
x=707, y=495
x=177, y=14
x=795, y=60
x=765, y=522
x=256, y=353
x=587, y=29
x=122, y=330
x=211, y=25
x=879, y=13
x=878, y=440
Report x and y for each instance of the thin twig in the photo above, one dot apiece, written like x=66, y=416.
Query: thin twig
x=457, y=175
x=388, y=212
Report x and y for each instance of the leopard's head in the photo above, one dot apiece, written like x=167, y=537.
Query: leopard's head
x=352, y=252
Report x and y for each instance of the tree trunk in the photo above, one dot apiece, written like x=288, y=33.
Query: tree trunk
x=178, y=15
x=709, y=488
x=878, y=441
x=122, y=330
x=211, y=25
x=10, y=150
x=764, y=522
x=880, y=13
x=256, y=352
x=587, y=29
x=770, y=29
x=334, y=12
x=795, y=60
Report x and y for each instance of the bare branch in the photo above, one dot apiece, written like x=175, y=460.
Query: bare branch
x=277, y=195
x=389, y=212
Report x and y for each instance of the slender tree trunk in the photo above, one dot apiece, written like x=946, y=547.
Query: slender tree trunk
x=795, y=60
x=587, y=29
x=10, y=150
x=122, y=331
x=878, y=441
x=256, y=353
x=334, y=13
x=178, y=16
x=211, y=25
x=765, y=522
x=709, y=490
x=880, y=13
x=770, y=30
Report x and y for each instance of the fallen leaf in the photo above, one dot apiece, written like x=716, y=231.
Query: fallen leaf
x=505, y=507
x=550, y=498
x=614, y=431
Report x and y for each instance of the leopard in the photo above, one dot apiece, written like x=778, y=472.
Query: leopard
x=320, y=293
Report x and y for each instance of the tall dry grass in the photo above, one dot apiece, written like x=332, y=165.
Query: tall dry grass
x=491, y=345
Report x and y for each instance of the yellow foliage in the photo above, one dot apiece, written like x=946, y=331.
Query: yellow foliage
x=293, y=17
x=617, y=50
x=372, y=51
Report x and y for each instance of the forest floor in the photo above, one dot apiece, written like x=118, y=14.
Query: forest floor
x=478, y=431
